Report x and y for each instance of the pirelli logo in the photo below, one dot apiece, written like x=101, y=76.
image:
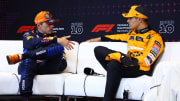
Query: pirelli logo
x=25, y=29
x=103, y=27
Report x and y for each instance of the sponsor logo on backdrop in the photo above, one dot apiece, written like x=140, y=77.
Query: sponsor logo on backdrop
x=122, y=28
x=56, y=29
x=166, y=26
x=23, y=29
x=103, y=27
x=76, y=28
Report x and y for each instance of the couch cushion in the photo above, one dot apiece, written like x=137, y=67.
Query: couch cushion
x=9, y=83
x=95, y=86
x=74, y=85
x=49, y=84
x=43, y=84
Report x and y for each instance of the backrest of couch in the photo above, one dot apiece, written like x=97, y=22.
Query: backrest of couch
x=86, y=56
x=71, y=57
x=169, y=60
x=81, y=56
x=171, y=52
x=10, y=47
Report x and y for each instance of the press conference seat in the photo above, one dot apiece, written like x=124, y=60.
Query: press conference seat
x=43, y=84
x=73, y=81
x=94, y=86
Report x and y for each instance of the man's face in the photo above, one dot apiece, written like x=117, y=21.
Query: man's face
x=45, y=27
x=133, y=22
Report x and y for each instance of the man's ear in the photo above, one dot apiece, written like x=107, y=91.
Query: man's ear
x=38, y=24
x=140, y=19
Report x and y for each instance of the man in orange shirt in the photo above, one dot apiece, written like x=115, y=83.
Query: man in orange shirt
x=144, y=46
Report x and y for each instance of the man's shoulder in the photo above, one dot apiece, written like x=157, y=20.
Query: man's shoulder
x=28, y=33
x=154, y=33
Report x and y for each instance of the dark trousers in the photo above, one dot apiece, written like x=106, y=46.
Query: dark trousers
x=53, y=62
x=115, y=71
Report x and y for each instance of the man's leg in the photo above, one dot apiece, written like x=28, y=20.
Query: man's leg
x=113, y=80
x=48, y=52
x=53, y=66
x=28, y=70
x=52, y=51
x=101, y=53
x=116, y=71
x=113, y=72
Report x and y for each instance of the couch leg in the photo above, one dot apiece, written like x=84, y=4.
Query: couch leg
x=125, y=95
x=60, y=98
x=72, y=98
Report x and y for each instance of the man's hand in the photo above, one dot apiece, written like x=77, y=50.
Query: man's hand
x=65, y=42
x=128, y=61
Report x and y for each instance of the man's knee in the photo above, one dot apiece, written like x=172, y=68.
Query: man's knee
x=114, y=65
x=98, y=49
x=27, y=64
x=101, y=52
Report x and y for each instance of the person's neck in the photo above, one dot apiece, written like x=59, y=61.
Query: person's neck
x=142, y=26
x=40, y=31
x=143, y=29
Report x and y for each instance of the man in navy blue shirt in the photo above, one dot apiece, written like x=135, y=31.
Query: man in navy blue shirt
x=43, y=53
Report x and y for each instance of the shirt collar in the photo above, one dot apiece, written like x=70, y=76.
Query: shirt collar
x=39, y=33
x=141, y=31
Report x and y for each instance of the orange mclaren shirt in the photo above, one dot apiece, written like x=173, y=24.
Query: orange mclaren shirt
x=145, y=46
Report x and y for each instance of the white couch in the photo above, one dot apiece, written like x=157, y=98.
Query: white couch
x=73, y=81
x=94, y=85
x=81, y=85
x=43, y=84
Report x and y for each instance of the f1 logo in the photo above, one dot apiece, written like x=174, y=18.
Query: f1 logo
x=103, y=27
x=25, y=28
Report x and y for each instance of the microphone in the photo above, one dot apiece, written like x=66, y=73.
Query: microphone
x=90, y=71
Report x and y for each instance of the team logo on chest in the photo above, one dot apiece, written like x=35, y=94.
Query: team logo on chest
x=138, y=38
x=131, y=38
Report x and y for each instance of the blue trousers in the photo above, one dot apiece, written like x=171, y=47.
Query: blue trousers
x=52, y=62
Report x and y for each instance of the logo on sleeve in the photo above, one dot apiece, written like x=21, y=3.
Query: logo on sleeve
x=146, y=61
x=156, y=46
x=149, y=59
x=155, y=50
x=151, y=56
x=153, y=53
x=158, y=43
